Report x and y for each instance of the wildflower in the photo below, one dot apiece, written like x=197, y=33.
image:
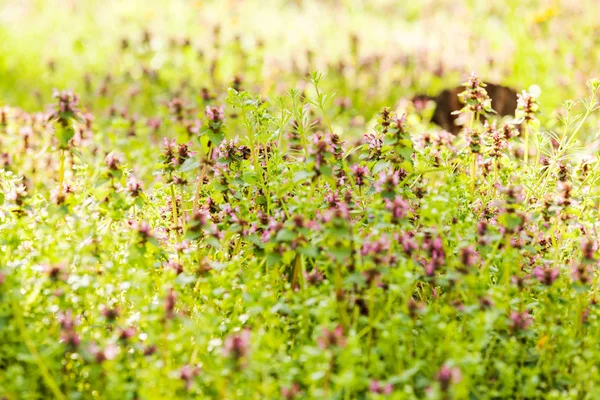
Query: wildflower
x=375, y=144
x=588, y=248
x=379, y=388
x=447, y=376
x=67, y=325
x=414, y=307
x=3, y=116
x=378, y=250
x=127, y=333
x=56, y=272
x=485, y=303
x=474, y=140
x=101, y=355
x=385, y=120
x=177, y=108
x=387, y=183
x=547, y=276
x=290, y=392
x=583, y=273
x=67, y=107
x=170, y=304
x=475, y=97
x=408, y=243
x=332, y=338
x=498, y=141
x=216, y=117
x=237, y=83
x=149, y=350
x=314, y=277
x=237, y=345
x=110, y=313
x=527, y=107
x=398, y=207
x=154, y=124
x=144, y=231
x=508, y=131
x=436, y=252
x=134, y=186
x=468, y=256
x=187, y=373
x=112, y=161
x=65, y=113
x=520, y=320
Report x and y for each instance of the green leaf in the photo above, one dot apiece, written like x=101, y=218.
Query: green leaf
x=189, y=165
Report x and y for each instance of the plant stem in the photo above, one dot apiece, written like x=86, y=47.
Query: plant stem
x=257, y=168
x=200, y=181
x=174, y=208
x=495, y=165
x=526, y=139
x=48, y=379
x=183, y=212
x=61, y=173
x=473, y=172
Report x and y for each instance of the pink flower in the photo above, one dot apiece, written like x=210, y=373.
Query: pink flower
x=332, y=338
x=448, y=375
x=376, y=387
x=237, y=345
x=520, y=320
x=547, y=276
x=187, y=373
x=290, y=392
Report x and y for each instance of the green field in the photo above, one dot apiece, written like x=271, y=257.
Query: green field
x=243, y=200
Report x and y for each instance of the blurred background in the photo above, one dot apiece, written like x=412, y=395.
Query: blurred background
x=384, y=49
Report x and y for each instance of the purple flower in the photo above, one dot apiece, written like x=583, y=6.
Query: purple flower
x=127, y=333
x=187, y=373
x=387, y=182
x=332, y=338
x=110, y=313
x=237, y=345
x=448, y=375
x=216, y=117
x=290, y=392
x=588, y=248
x=399, y=207
x=170, y=304
x=314, y=277
x=547, y=276
x=360, y=173
x=379, y=388
x=409, y=245
x=112, y=161
x=520, y=320
x=583, y=273
x=437, y=254
x=101, y=355
x=67, y=325
x=468, y=256
x=134, y=187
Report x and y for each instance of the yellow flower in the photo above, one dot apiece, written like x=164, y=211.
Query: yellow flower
x=545, y=14
x=542, y=342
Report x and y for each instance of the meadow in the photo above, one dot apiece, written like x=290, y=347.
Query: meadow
x=239, y=200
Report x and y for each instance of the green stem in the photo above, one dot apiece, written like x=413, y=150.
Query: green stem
x=183, y=212
x=61, y=173
x=48, y=379
x=257, y=168
x=473, y=172
x=198, y=188
x=174, y=208
x=526, y=139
